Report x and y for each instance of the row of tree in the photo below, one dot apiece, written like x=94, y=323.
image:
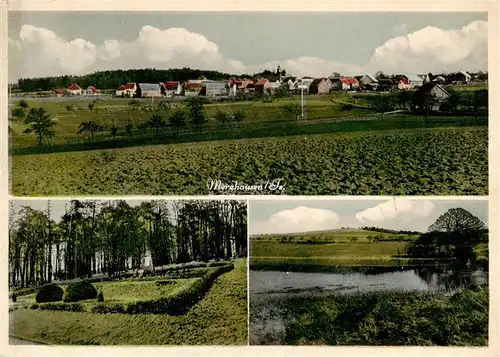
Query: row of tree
x=115, y=78
x=113, y=236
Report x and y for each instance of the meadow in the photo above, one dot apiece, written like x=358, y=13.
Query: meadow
x=449, y=161
x=220, y=318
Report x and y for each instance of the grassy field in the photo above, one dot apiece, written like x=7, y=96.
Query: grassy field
x=219, y=319
x=119, y=112
x=381, y=319
x=445, y=161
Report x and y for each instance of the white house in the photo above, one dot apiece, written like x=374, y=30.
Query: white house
x=369, y=81
x=74, y=89
x=437, y=91
x=414, y=80
x=91, y=90
x=127, y=90
x=467, y=77
x=171, y=88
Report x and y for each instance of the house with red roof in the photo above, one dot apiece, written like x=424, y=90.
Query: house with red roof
x=192, y=89
x=91, y=90
x=262, y=85
x=74, y=89
x=404, y=84
x=59, y=92
x=171, y=88
x=128, y=89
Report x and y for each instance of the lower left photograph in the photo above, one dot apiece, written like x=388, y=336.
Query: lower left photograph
x=128, y=272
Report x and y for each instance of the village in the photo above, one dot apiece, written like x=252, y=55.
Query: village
x=240, y=87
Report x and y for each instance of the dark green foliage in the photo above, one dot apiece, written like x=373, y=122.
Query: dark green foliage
x=73, y=307
x=23, y=104
x=346, y=106
x=14, y=297
x=49, y=293
x=40, y=123
x=238, y=115
x=195, y=107
x=113, y=308
x=100, y=297
x=89, y=127
x=294, y=109
x=18, y=112
x=178, y=119
x=81, y=290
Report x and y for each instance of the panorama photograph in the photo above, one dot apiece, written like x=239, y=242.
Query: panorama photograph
x=191, y=103
x=386, y=272
x=128, y=272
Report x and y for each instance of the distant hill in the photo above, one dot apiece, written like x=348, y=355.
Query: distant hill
x=346, y=231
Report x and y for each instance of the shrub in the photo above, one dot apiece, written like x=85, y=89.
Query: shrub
x=346, y=106
x=18, y=112
x=23, y=104
x=100, y=297
x=73, y=307
x=80, y=290
x=107, y=309
x=14, y=297
x=49, y=293
x=34, y=306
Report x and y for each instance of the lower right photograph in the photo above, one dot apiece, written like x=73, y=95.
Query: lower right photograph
x=379, y=272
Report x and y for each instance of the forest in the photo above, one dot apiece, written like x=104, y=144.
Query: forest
x=114, y=236
x=115, y=78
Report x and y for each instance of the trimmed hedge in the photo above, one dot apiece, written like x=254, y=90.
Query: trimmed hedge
x=73, y=307
x=179, y=304
x=173, y=305
x=80, y=290
x=49, y=293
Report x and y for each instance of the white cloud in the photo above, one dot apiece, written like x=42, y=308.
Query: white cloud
x=300, y=219
x=400, y=213
x=41, y=52
x=434, y=49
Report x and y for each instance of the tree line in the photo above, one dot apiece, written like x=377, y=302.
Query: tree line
x=114, y=236
x=113, y=79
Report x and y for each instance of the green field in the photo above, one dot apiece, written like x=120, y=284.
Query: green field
x=441, y=161
x=119, y=112
x=327, y=249
x=220, y=318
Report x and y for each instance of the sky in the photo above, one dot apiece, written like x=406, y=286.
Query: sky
x=315, y=44
x=292, y=216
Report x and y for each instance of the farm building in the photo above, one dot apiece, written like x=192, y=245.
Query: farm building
x=385, y=85
x=306, y=83
x=437, y=91
x=319, y=86
x=171, y=88
x=91, y=90
x=214, y=89
x=74, y=89
x=439, y=80
x=127, y=90
x=148, y=90
x=275, y=86
x=59, y=92
x=369, y=82
x=192, y=89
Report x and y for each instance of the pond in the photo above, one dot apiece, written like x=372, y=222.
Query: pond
x=426, y=279
x=269, y=288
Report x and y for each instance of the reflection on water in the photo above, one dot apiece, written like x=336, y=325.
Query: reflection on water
x=267, y=324
x=426, y=279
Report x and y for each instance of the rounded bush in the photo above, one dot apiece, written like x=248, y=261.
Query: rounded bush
x=100, y=297
x=49, y=293
x=14, y=298
x=80, y=290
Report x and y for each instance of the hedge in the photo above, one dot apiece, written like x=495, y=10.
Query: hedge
x=73, y=307
x=80, y=290
x=49, y=293
x=173, y=305
x=179, y=304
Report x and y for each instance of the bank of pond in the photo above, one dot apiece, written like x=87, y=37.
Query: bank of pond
x=408, y=305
